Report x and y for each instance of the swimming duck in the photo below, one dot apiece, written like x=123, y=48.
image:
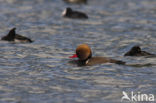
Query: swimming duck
x=84, y=55
x=69, y=13
x=12, y=36
x=136, y=51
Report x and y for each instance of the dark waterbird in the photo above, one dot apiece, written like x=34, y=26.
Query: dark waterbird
x=69, y=13
x=84, y=55
x=13, y=37
x=136, y=51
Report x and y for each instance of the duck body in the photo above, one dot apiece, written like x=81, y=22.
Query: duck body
x=13, y=37
x=69, y=13
x=20, y=38
x=98, y=60
x=6, y=38
x=84, y=54
x=136, y=51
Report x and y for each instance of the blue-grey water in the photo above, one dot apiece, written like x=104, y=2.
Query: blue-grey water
x=40, y=72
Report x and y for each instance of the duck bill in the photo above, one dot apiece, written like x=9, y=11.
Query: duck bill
x=74, y=56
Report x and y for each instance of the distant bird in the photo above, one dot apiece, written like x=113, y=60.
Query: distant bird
x=76, y=1
x=84, y=55
x=136, y=51
x=69, y=13
x=12, y=36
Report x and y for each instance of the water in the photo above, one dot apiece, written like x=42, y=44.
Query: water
x=40, y=72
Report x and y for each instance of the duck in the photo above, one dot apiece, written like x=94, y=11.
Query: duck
x=13, y=37
x=84, y=55
x=69, y=13
x=136, y=51
x=76, y=1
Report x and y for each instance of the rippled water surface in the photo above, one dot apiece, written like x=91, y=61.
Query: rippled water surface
x=40, y=72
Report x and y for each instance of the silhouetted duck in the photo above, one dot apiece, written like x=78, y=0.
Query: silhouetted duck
x=12, y=36
x=76, y=1
x=69, y=13
x=84, y=54
x=136, y=51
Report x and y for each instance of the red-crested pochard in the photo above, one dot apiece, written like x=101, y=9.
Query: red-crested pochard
x=84, y=55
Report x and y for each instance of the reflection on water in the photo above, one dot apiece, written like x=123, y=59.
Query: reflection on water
x=40, y=72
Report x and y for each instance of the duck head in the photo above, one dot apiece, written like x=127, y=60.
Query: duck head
x=11, y=34
x=12, y=31
x=83, y=52
x=67, y=11
x=133, y=51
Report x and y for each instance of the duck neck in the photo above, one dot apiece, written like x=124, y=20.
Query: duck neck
x=84, y=62
x=11, y=35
